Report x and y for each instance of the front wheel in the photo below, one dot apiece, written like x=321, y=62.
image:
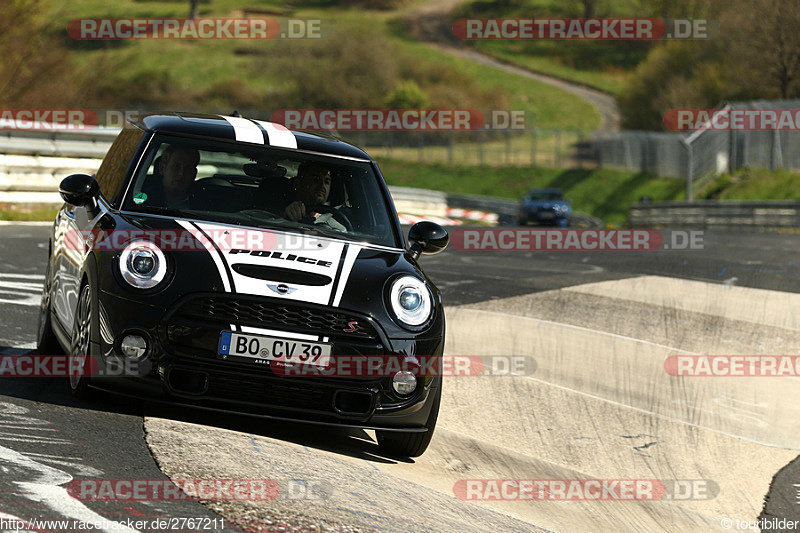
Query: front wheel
x=81, y=344
x=46, y=342
x=407, y=443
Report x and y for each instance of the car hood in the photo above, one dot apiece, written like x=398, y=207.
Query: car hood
x=255, y=261
x=282, y=265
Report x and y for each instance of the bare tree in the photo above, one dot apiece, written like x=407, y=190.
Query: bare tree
x=589, y=8
x=34, y=70
x=193, y=9
x=765, y=46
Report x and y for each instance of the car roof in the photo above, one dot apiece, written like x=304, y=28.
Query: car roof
x=545, y=189
x=218, y=127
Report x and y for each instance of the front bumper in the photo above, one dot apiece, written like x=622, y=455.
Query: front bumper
x=182, y=365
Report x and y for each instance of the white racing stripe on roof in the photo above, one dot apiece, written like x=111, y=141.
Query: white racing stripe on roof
x=246, y=130
x=278, y=135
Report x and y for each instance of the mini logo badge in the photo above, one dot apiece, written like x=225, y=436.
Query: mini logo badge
x=281, y=288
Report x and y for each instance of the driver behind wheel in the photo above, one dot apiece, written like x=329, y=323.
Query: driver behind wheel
x=312, y=186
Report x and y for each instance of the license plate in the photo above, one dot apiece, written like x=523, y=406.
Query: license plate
x=261, y=348
x=547, y=214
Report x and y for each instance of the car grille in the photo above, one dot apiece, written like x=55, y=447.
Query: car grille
x=281, y=316
x=263, y=392
x=269, y=393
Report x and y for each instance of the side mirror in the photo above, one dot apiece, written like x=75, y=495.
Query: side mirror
x=427, y=238
x=79, y=189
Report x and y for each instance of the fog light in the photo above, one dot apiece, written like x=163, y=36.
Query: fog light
x=133, y=346
x=404, y=382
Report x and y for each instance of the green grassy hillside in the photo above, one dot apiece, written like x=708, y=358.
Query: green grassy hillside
x=358, y=65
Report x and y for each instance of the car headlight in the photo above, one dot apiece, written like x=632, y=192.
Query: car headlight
x=411, y=301
x=142, y=264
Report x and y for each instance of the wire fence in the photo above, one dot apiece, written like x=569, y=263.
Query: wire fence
x=702, y=155
x=659, y=154
x=534, y=147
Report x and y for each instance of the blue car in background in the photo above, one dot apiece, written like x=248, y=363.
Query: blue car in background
x=545, y=206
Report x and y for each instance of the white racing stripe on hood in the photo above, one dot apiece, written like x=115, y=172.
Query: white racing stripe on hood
x=213, y=252
x=290, y=252
x=347, y=267
x=215, y=256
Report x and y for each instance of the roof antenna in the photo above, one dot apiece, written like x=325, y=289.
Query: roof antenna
x=236, y=113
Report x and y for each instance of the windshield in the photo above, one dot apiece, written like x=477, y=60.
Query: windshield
x=263, y=187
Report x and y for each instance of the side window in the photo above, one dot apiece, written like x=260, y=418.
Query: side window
x=111, y=174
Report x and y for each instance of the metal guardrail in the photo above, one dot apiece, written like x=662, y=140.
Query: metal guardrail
x=419, y=201
x=32, y=162
x=92, y=143
x=713, y=214
x=406, y=194
x=506, y=208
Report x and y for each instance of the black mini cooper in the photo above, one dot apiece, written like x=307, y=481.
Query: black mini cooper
x=232, y=264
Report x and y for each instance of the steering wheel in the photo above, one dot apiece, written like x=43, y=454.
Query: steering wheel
x=337, y=214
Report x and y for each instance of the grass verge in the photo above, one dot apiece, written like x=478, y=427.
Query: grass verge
x=11, y=212
x=604, y=193
x=754, y=184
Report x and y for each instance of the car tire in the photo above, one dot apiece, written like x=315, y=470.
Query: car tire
x=407, y=443
x=80, y=345
x=46, y=341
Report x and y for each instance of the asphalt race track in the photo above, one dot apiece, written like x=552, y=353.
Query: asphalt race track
x=592, y=401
